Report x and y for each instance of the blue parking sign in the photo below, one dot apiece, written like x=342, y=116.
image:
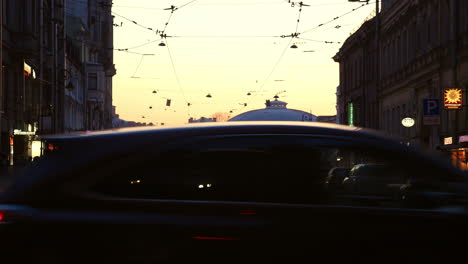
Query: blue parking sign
x=431, y=107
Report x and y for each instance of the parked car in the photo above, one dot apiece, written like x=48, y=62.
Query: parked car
x=374, y=179
x=250, y=192
x=335, y=178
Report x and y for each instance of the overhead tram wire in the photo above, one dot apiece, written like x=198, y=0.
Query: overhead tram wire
x=221, y=36
x=299, y=16
x=271, y=72
x=338, y=17
x=144, y=44
x=136, y=23
x=186, y=4
x=293, y=35
x=167, y=23
x=230, y=4
x=177, y=78
x=138, y=66
x=173, y=9
x=163, y=35
x=131, y=52
x=321, y=41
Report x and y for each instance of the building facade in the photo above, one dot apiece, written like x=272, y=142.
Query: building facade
x=95, y=20
x=423, y=49
x=51, y=50
x=99, y=64
x=33, y=49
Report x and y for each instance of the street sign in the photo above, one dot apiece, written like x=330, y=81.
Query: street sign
x=453, y=98
x=431, y=112
x=431, y=107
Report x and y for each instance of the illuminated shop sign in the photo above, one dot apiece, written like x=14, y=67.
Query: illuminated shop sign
x=23, y=133
x=407, y=122
x=29, y=71
x=453, y=98
x=463, y=139
x=351, y=114
x=448, y=141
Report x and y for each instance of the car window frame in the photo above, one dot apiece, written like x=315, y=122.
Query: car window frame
x=332, y=142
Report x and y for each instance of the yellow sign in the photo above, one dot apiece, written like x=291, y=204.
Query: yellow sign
x=453, y=98
x=27, y=70
x=448, y=141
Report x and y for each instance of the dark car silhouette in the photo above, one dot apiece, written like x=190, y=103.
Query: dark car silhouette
x=239, y=193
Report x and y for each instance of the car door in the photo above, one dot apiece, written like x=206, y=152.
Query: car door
x=269, y=188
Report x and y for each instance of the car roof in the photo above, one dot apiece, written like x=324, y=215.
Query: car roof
x=143, y=136
x=226, y=127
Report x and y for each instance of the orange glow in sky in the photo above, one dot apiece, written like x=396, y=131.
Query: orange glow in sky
x=227, y=48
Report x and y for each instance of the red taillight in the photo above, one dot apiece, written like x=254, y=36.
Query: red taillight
x=248, y=212
x=1, y=216
x=52, y=147
x=214, y=238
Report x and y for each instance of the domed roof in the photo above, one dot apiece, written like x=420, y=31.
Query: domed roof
x=277, y=104
x=275, y=111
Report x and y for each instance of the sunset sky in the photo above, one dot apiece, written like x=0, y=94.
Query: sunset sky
x=227, y=48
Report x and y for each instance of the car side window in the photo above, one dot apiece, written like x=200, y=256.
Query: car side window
x=261, y=175
x=279, y=171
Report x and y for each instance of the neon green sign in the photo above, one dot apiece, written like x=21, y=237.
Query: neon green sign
x=351, y=114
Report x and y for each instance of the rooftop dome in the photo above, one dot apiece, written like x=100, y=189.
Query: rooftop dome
x=276, y=104
x=275, y=111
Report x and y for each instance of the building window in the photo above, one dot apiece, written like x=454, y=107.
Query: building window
x=92, y=81
x=5, y=12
